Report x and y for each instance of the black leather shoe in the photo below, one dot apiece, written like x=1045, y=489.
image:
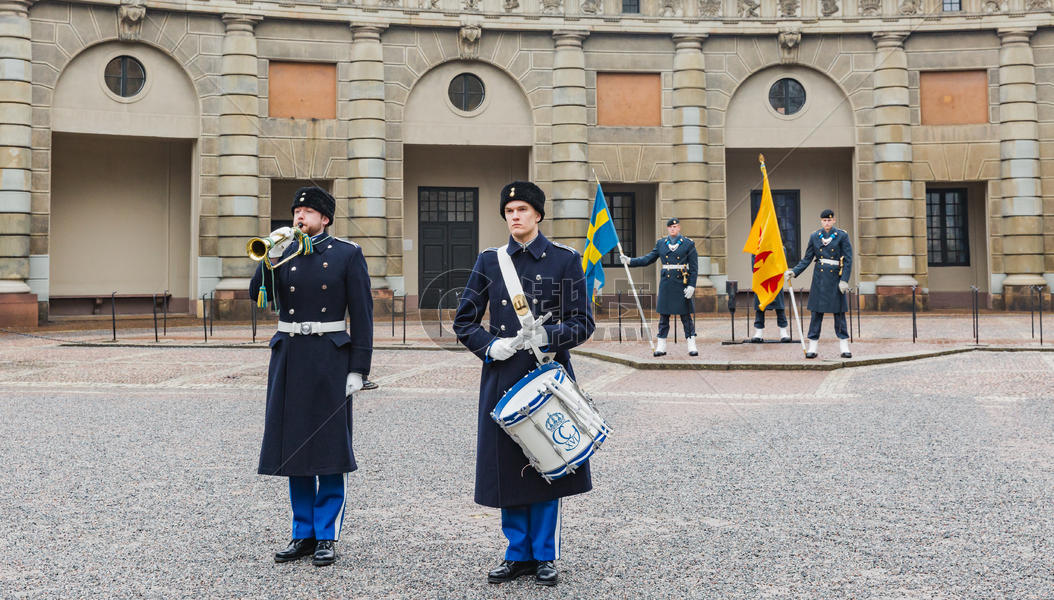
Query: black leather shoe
x=511, y=569
x=295, y=549
x=325, y=553
x=847, y=355
x=658, y=354
x=785, y=340
x=546, y=573
x=810, y=355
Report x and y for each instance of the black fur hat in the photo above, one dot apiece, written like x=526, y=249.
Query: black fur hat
x=316, y=198
x=827, y=213
x=522, y=190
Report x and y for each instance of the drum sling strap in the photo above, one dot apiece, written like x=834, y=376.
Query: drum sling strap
x=519, y=303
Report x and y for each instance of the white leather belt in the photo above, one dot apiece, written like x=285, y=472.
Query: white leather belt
x=677, y=267
x=311, y=327
x=829, y=261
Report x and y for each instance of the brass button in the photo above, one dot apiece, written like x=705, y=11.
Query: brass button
x=323, y=286
x=323, y=309
x=292, y=288
x=291, y=311
x=325, y=265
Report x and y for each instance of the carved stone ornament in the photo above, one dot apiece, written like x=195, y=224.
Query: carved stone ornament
x=672, y=8
x=592, y=7
x=909, y=7
x=870, y=8
x=747, y=8
x=992, y=6
x=552, y=7
x=829, y=8
x=130, y=16
x=470, y=5
x=789, y=40
x=468, y=41
x=789, y=8
x=1037, y=5
x=390, y=3
x=710, y=8
x=511, y=5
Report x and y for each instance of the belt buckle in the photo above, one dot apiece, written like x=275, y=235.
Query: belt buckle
x=305, y=329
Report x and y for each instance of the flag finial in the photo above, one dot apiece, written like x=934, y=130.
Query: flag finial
x=761, y=158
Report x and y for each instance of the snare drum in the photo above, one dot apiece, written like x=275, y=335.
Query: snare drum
x=552, y=420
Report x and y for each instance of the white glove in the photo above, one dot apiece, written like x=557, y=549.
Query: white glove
x=625, y=259
x=539, y=337
x=277, y=250
x=688, y=291
x=788, y=275
x=353, y=385
x=502, y=349
x=843, y=286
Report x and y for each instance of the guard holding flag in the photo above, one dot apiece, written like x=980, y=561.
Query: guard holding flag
x=830, y=248
x=680, y=266
x=769, y=259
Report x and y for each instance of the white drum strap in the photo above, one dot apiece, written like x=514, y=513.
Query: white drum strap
x=519, y=300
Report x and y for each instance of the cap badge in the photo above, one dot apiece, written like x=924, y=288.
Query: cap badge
x=512, y=192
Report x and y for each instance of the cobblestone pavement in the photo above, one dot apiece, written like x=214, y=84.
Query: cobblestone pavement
x=130, y=472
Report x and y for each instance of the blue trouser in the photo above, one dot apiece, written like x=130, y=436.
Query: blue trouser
x=686, y=320
x=318, y=505
x=533, y=531
x=840, y=329
x=759, y=318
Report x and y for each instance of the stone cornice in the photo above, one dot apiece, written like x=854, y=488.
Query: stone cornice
x=890, y=39
x=19, y=7
x=237, y=22
x=383, y=15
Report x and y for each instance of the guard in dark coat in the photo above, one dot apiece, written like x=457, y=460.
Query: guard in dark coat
x=680, y=267
x=831, y=250
x=316, y=365
x=553, y=282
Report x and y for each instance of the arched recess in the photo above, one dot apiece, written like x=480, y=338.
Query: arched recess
x=460, y=159
x=809, y=157
x=121, y=182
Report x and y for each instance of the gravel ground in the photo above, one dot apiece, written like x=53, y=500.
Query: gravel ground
x=130, y=472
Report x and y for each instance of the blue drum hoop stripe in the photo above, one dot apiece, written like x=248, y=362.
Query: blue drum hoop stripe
x=526, y=379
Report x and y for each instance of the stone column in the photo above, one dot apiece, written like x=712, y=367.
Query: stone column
x=894, y=201
x=367, y=209
x=570, y=197
x=239, y=187
x=690, y=189
x=18, y=306
x=1022, y=200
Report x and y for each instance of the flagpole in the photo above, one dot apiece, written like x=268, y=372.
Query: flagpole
x=640, y=310
x=797, y=316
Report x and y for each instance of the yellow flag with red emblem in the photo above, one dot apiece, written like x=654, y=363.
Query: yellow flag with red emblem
x=766, y=245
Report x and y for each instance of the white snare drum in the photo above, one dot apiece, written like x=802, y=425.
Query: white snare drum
x=552, y=420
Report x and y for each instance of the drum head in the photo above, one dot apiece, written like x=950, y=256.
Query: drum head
x=528, y=392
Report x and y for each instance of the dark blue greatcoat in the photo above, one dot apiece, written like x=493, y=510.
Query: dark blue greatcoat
x=824, y=296
x=552, y=280
x=307, y=427
x=671, y=282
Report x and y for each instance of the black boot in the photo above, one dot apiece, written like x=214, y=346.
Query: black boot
x=295, y=549
x=546, y=574
x=511, y=569
x=325, y=553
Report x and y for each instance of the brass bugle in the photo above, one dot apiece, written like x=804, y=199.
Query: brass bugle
x=257, y=248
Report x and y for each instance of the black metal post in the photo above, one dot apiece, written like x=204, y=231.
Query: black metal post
x=252, y=311
x=113, y=314
x=1032, y=310
x=619, y=296
x=973, y=315
x=154, y=307
x=166, y=313
x=858, y=315
x=205, y=316
x=914, y=316
x=393, y=313
x=1039, y=293
x=404, y=317
x=212, y=312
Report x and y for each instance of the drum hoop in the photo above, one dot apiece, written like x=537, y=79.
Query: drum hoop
x=526, y=379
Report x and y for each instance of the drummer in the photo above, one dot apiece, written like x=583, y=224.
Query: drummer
x=553, y=283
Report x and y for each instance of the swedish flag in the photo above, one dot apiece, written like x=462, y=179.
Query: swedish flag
x=600, y=239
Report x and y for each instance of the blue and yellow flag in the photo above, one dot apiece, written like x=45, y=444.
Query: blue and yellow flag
x=600, y=239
